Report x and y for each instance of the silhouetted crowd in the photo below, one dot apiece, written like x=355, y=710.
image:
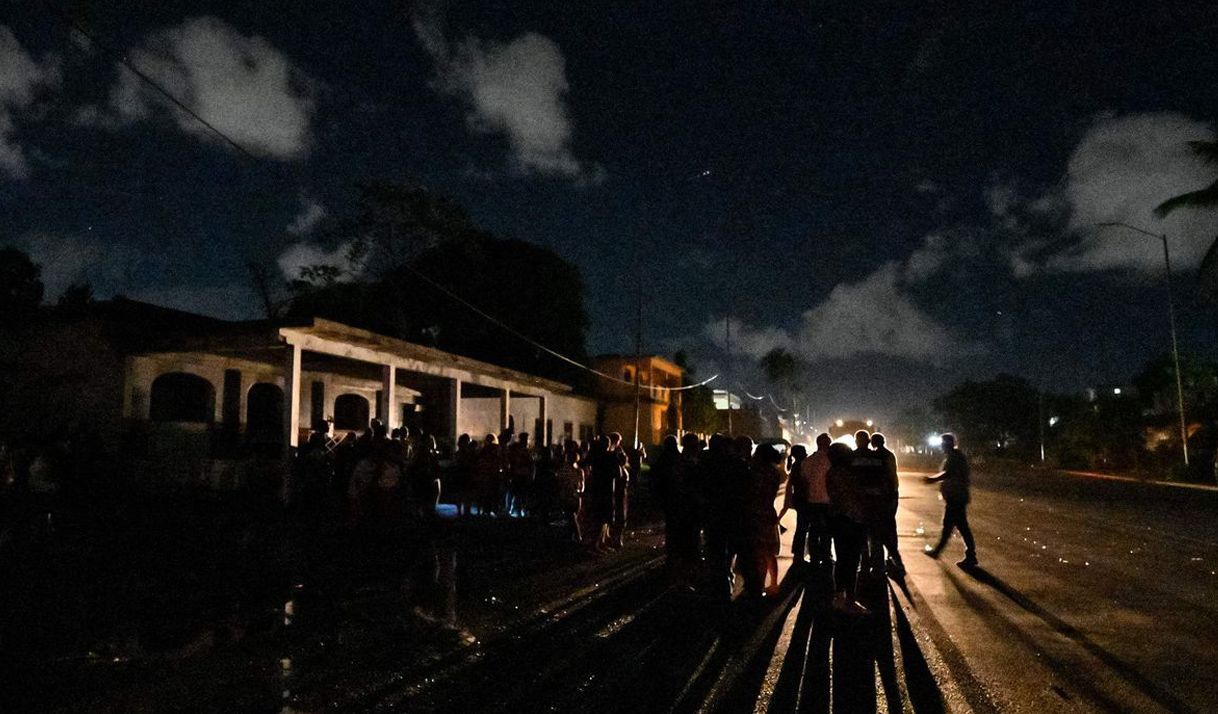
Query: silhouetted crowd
x=384, y=476
x=719, y=501
x=588, y=483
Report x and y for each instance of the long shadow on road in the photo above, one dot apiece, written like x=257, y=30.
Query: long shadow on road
x=1121, y=668
x=833, y=661
x=647, y=647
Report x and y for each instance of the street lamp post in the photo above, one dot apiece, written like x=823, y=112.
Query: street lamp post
x=1171, y=317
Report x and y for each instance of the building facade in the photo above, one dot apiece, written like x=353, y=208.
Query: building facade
x=185, y=394
x=659, y=406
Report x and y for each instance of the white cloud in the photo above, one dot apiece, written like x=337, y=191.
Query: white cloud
x=1121, y=169
x=242, y=85
x=875, y=316
x=311, y=213
x=305, y=255
x=20, y=77
x=1001, y=198
x=928, y=258
x=517, y=90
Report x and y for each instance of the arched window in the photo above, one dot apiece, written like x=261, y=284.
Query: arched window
x=264, y=414
x=351, y=412
x=182, y=397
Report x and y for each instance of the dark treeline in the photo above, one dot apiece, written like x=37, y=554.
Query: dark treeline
x=390, y=235
x=1132, y=426
x=394, y=232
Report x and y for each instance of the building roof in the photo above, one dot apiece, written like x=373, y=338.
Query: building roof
x=136, y=327
x=337, y=331
x=629, y=359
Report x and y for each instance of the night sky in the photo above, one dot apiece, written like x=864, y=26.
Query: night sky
x=904, y=194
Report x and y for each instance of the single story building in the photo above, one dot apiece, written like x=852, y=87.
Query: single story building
x=178, y=392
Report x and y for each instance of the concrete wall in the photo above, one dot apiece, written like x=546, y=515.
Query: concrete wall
x=142, y=371
x=479, y=416
x=580, y=411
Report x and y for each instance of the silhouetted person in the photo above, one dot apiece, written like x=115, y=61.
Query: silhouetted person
x=761, y=521
x=794, y=500
x=888, y=527
x=604, y=470
x=721, y=493
x=808, y=496
x=570, y=484
x=848, y=523
x=461, y=481
x=523, y=470
x=687, y=511
x=954, y=487
x=621, y=491
x=871, y=483
x=425, y=476
x=663, y=486
x=313, y=471
x=488, y=468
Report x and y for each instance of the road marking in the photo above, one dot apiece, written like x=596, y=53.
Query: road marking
x=1147, y=482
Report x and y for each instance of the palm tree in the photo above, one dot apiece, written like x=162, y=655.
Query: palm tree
x=1207, y=197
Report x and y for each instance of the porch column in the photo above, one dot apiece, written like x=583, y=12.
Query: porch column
x=454, y=411
x=388, y=406
x=291, y=399
x=541, y=414
x=505, y=409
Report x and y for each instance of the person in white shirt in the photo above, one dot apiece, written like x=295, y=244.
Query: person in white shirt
x=808, y=496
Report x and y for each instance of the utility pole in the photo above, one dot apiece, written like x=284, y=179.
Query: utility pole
x=727, y=328
x=1175, y=349
x=638, y=357
x=1171, y=317
x=1040, y=420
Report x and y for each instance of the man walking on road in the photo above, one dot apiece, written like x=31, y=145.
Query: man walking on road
x=954, y=487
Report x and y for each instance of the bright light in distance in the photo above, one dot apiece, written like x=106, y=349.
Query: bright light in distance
x=934, y=441
x=847, y=439
x=1053, y=420
x=839, y=422
x=870, y=423
x=1116, y=390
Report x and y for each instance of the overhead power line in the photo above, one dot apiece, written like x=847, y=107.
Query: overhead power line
x=513, y=331
x=130, y=66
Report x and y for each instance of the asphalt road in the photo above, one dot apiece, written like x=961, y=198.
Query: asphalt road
x=1093, y=595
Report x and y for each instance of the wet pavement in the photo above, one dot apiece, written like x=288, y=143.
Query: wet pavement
x=465, y=615
x=1092, y=595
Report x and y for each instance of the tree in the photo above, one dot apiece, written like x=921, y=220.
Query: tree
x=783, y=370
x=20, y=286
x=76, y=295
x=1205, y=197
x=995, y=414
x=421, y=263
x=698, y=412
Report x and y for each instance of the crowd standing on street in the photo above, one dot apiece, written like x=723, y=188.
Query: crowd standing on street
x=718, y=500
x=717, y=497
